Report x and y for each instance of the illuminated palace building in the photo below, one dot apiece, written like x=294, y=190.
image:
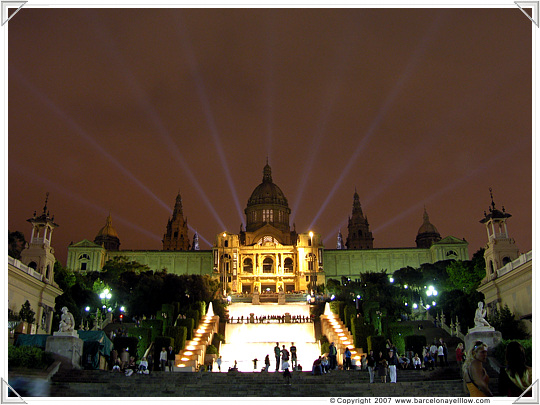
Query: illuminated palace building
x=268, y=255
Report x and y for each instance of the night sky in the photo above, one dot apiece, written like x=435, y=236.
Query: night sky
x=117, y=110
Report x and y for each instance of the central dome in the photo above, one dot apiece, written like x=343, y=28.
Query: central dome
x=267, y=192
x=267, y=205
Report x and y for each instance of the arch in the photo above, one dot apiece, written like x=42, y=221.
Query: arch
x=268, y=265
x=490, y=267
x=48, y=272
x=32, y=265
x=451, y=253
x=506, y=260
x=84, y=256
x=248, y=265
x=288, y=265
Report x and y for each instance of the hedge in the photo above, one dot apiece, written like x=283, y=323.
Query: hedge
x=397, y=333
x=144, y=336
x=156, y=325
x=195, y=314
x=189, y=324
x=377, y=344
x=200, y=306
x=217, y=339
x=325, y=344
x=28, y=357
x=349, y=311
x=360, y=332
x=416, y=343
x=179, y=334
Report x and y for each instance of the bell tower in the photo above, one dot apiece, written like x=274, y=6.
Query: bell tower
x=500, y=249
x=359, y=236
x=176, y=237
x=39, y=254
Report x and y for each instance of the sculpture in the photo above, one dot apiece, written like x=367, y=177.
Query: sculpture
x=479, y=316
x=67, y=322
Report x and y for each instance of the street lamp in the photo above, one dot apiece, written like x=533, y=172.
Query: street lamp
x=431, y=291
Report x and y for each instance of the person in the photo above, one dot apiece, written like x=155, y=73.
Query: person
x=284, y=358
x=163, y=359
x=392, y=363
x=371, y=366
x=347, y=355
x=218, y=361
x=150, y=360
x=403, y=361
x=332, y=356
x=143, y=366
x=433, y=350
x=383, y=370
x=117, y=365
x=417, y=362
x=294, y=360
x=325, y=364
x=277, y=353
x=440, y=354
x=287, y=376
x=317, y=368
x=517, y=376
x=474, y=374
x=255, y=360
x=267, y=362
x=363, y=362
x=459, y=356
x=124, y=358
x=170, y=358
x=429, y=361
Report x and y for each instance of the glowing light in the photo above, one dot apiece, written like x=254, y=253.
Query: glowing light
x=415, y=306
x=332, y=297
x=311, y=234
x=391, y=279
x=428, y=306
x=406, y=304
x=87, y=309
x=405, y=286
x=185, y=359
x=358, y=296
x=224, y=235
x=188, y=353
x=122, y=309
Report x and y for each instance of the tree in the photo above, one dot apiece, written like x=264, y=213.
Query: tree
x=505, y=322
x=464, y=276
x=16, y=244
x=26, y=313
x=64, y=277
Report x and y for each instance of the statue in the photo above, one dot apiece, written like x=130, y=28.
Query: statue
x=67, y=322
x=479, y=316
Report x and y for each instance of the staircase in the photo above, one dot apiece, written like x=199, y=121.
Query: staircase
x=97, y=383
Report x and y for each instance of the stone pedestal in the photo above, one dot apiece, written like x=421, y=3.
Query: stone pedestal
x=281, y=298
x=66, y=347
x=255, y=299
x=287, y=317
x=486, y=334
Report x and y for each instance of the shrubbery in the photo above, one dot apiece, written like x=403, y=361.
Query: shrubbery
x=29, y=357
x=500, y=350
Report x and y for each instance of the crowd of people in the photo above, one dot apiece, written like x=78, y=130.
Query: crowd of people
x=270, y=319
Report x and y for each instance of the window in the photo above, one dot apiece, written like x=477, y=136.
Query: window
x=83, y=266
x=268, y=215
x=248, y=266
x=268, y=265
x=311, y=261
x=506, y=260
x=84, y=256
x=288, y=265
x=451, y=253
x=32, y=265
x=48, y=272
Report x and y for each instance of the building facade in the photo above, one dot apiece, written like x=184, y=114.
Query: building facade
x=32, y=278
x=269, y=255
x=508, y=279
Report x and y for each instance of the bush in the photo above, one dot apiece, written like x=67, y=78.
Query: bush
x=179, y=334
x=219, y=309
x=195, y=315
x=217, y=339
x=360, y=332
x=500, y=350
x=129, y=343
x=156, y=325
x=317, y=309
x=397, y=333
x=201, y=307
x=377, y=344
x=349, y=313
x=211, y=349
x=416, y=343
x=144, y=336
x=26, y=313
x=189, y=324
x=28, y=357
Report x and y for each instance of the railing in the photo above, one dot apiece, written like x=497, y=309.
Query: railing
x=524, y=258
x=23, y=267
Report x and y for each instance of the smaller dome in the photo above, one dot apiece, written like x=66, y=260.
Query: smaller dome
x=108, y=229
x=427, y=227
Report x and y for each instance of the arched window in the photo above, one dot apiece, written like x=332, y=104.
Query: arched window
x=491, y=267
x=248, y=265
x=32, y=265
x=451, y=253
x=506, y=260
x=84, y=256
x=288, y=265
x=48, y=272
x=268, y=265
x=311, y=261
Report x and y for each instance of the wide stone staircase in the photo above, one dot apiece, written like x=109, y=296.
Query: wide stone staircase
x=96, y=383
